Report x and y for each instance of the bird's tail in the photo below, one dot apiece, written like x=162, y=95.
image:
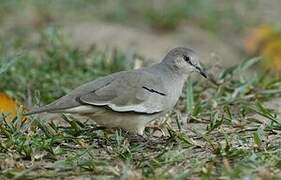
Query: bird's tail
x=51, y=109
x=37, y=111
x=43, y=109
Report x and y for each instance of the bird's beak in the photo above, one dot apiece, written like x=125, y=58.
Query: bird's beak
x=203, y=73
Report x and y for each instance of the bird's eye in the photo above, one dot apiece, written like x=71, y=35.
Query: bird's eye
x=187, y=59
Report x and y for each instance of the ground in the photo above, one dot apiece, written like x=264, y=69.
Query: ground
x=225, y=131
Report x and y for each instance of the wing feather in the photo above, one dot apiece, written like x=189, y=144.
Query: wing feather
x=127, y=93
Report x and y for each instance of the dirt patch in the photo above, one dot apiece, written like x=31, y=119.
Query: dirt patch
x=152, y=45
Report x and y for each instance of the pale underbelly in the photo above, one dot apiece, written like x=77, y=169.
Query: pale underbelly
x=133, y=122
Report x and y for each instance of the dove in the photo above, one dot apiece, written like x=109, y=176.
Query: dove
x=131, y=99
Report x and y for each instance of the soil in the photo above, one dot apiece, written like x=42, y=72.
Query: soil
x=153, y=45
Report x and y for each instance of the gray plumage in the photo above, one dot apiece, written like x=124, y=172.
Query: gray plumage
x=130, y=99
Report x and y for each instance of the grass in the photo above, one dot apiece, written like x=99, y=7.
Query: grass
x=229, y=133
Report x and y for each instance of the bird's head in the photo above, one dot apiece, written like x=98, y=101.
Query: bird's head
x=184, y=61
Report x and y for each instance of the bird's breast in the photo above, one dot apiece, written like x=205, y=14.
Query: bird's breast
x=175, y=91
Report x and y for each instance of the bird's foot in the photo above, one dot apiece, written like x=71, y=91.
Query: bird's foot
x=137, y=137
x=156, y=128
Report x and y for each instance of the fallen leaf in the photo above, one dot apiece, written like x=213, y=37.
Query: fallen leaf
x=8, y=106
x=258, y=37
x=272, y=55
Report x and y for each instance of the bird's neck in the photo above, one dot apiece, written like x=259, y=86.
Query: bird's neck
x=172, y=71
x=170, y=74
x=174, y=82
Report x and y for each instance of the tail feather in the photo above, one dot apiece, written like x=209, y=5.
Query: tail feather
x=74, y=109
x=42, y=109
x=38, y=110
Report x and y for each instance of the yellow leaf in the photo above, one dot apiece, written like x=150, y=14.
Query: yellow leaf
x=8, y=105
x=257, y=38
x=272, y=55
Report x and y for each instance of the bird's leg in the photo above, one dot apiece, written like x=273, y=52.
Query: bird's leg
x=133, y=137
x=137, y=134
x=156, y=127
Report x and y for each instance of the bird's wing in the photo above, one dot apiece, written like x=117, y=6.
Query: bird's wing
x=136, y=91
